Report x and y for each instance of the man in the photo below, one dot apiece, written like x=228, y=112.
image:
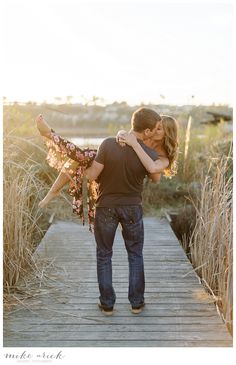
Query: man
x=120, y=174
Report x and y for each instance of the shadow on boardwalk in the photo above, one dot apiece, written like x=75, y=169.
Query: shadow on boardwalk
x=178, y=311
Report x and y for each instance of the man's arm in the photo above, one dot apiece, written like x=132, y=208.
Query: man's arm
x=94, y=171
x=97, y=166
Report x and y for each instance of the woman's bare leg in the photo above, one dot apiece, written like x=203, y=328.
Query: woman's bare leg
x=43, y=127
x=60, y=181
x=63, y=178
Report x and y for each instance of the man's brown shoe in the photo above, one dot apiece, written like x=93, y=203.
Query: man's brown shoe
x=105, y=310
x=137, y=309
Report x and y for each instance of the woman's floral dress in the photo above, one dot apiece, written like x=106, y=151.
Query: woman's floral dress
x=65, y=156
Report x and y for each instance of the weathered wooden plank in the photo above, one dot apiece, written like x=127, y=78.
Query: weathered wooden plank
x=93, y=334
x=121, y=276
x=75, y=327
x=148, y=268
x=93, y=314
x=158, y=263
x=121, y=308
x=122, y=298
x=116, y=320
x=155, y=301
x=153, y=268
x=120, y=343
x=121, y=285
x=172, y=286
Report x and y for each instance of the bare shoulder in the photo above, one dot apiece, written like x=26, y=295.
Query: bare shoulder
x=162, y=156
x=161, y=152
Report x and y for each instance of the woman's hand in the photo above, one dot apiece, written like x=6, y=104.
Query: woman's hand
x=129, y=139
x=120, y=133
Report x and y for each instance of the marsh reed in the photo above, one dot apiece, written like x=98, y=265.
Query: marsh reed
x=21, y=188
x=211, y=243
x=27, y=178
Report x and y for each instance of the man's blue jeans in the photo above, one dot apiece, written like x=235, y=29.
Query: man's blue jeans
x=106, y=222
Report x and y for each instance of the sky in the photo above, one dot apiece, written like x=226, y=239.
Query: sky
x=150, y=52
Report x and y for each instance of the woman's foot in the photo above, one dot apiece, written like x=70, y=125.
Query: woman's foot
x=50, y=195
x=43, y=127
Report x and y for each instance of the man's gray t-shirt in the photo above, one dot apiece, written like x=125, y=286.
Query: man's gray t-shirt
x=121, y=180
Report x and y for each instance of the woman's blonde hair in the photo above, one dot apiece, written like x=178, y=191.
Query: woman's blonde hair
x=170, y=144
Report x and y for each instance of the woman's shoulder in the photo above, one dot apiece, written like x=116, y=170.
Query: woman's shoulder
x=161, y=152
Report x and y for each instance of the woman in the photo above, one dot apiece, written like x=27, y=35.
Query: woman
x=72, y=161
x=165, y=143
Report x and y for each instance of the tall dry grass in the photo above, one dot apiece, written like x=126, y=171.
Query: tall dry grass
x=27, y=178
x=211, y=243
x=21, y=229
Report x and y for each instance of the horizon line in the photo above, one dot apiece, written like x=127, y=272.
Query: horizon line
x=91, y=103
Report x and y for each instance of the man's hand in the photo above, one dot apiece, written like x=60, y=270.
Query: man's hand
x=94, y=171
x=155, y=177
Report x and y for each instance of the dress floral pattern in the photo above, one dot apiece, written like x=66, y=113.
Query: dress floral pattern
x=65, y=156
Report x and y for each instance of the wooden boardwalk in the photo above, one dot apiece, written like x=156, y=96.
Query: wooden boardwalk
x=178, y=311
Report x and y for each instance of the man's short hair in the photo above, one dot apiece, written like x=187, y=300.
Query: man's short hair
x=144, y=118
